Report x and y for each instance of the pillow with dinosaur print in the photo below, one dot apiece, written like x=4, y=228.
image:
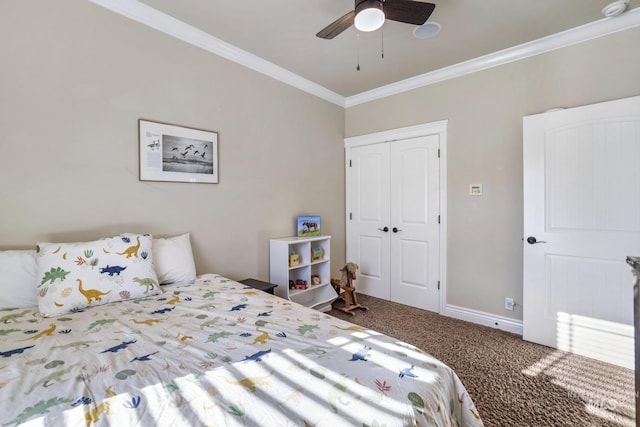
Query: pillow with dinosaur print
x=73, y=276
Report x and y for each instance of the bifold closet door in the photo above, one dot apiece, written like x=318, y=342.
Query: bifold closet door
x=394, y=235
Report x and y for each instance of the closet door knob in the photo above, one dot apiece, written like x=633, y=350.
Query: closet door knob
x=395, y=229
x=385, y=229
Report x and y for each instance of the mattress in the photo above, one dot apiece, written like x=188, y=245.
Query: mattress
x=215, y=352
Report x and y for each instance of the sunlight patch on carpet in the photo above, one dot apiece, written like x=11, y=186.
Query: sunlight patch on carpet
x=593, y=383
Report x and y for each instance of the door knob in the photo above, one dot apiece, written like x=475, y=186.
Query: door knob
x=395, y=229
x=385, y=229
x=532, y=240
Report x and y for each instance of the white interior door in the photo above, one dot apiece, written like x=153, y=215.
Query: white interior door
x=582, y=205
x=369, y=243
x=415, y=229
x=394, y=234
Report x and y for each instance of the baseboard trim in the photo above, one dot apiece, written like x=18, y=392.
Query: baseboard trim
x=485, y=319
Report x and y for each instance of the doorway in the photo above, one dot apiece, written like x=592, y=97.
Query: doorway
x=581, y=221
x=395, y=186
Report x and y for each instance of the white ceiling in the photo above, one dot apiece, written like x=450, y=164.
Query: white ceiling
x=282, y=32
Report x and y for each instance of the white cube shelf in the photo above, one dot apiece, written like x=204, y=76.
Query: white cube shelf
x=318, y=296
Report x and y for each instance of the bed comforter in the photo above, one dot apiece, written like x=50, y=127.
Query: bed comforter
x=214, y=352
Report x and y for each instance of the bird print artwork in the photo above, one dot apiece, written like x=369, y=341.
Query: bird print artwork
x=186, y=155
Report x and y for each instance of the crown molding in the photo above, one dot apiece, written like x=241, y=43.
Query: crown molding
x=155, y=19
x=566, y=38
x=439, y=127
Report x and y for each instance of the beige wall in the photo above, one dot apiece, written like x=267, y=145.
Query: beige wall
x=75, y=78
x=485, y=111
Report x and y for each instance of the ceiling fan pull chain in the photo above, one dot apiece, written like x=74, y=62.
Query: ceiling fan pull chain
x=382, y=36
x=358, y=50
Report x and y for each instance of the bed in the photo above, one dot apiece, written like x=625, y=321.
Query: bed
x=203, y=351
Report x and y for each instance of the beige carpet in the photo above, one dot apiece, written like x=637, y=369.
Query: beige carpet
x=513, y=382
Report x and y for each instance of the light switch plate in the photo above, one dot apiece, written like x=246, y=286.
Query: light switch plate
x=475, y=190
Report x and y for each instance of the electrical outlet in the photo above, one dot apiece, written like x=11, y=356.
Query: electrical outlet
x=509, y=304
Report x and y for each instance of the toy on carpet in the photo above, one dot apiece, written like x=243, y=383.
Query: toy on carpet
x=345, y=289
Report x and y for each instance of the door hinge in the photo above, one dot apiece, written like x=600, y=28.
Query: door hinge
x=438, y=153
x=350, y=215
x=438, y=219
x=438, y=284
x=349, y=163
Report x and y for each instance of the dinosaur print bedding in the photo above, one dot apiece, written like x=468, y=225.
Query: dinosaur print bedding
x=214, y=352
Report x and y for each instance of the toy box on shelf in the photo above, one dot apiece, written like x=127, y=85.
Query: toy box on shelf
x=294, y=259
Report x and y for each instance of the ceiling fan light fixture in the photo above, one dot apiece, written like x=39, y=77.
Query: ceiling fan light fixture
x=369, y=15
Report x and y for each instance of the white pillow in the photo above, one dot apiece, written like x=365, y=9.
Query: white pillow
x=72, y=276
x=173, y=259
x=18, y=281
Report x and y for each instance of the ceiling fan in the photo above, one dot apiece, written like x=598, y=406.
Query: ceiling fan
x=369, y=15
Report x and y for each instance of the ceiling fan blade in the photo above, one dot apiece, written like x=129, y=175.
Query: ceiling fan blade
x=407, y=11
x=337, y=26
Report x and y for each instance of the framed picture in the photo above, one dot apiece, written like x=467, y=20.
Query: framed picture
x=308, y=226
x=177, y=153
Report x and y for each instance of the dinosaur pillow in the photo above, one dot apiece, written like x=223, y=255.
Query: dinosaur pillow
x=18, y=279
x=72, y=276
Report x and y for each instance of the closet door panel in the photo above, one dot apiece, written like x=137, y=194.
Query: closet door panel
x=370, y=215
x=414, y=210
